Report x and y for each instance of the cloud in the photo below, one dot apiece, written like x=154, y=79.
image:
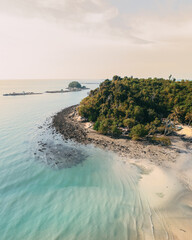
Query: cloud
x=65, y=10
x=98, y=18
x=128, y=21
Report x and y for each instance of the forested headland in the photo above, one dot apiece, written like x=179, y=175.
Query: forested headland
x=138, y=107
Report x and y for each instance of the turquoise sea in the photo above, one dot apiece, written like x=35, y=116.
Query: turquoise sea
x=96, y=199
x=87, y=201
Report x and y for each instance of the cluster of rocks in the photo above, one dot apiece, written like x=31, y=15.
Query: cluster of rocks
x=52, y=151
x=65, y=124
x=59, y=155
x=136, y=150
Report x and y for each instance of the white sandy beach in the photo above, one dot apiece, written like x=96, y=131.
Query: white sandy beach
x=168, y=191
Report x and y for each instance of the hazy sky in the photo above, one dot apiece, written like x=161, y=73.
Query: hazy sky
x=95, y=38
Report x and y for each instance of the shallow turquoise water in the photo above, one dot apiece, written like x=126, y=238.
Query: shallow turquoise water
x=97, y=199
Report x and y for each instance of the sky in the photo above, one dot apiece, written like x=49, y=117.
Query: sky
x=95, y=39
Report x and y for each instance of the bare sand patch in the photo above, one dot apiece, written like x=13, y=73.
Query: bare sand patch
x=186, y=131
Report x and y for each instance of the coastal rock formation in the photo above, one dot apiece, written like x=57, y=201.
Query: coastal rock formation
x=71, y=126
x=59, y=156
x=65, y=124
x=52, y=151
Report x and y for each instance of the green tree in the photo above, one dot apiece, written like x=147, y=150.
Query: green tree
x=96, y=125
x=138, y=131
x=104, y=126
x=129, y=123
x=176, y=114
x=115, y=131
x=74, y=84
x=188, y=117
x=138, y=113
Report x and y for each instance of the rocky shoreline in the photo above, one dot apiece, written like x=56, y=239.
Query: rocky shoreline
x=70, y=125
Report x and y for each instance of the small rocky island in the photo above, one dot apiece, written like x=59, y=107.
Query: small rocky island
x=76, y=86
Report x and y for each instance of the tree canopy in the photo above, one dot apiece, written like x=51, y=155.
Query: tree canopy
x=74, y=84
x=139, y=105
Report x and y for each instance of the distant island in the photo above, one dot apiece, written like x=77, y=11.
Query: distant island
x=72, y=87
x=57, y=91
x=21, y=94
x=76, y=86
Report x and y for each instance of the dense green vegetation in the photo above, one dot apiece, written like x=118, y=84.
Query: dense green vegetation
x=75, y=84
x=138, y=106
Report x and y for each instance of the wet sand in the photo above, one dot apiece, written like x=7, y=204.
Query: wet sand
x=167, y=189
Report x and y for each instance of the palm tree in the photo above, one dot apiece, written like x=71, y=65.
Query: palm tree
x=172, y=120
x=175, y=115
x=188, y=117
x=170, y=76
